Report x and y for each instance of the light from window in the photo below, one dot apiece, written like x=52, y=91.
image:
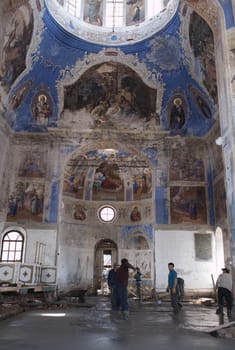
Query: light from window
x=113, y=10
x=12, y=247
x=114, y=13
x=154, y=7
x=107, y=214
x=72, y=7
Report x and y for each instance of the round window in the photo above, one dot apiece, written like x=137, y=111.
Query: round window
x=107, y=213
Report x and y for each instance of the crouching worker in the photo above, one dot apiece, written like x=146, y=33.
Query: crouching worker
x=224, y=286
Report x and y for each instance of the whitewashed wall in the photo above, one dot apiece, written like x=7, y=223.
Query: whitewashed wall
x=46, y=237
x=179, y=247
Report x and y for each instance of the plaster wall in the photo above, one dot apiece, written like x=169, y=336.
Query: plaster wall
x=77, y=249
x=45, y=237
x=178, y=246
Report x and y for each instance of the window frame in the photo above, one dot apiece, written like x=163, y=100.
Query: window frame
x=75, y=8
x=105, y=207
x=12, y=246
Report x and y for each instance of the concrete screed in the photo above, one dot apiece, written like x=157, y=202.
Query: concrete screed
x=93, y=325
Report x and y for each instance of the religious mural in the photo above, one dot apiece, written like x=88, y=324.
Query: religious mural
x=220, y=201
x=188, y=205
x=177, y=112
x=135, y=214
x=32, y=165
x=108, y=178
x=20, y=94
x=185, y=166
x=26, y=201
x=79, y=212
x=107, y=175
x=17, y=37
x=135, y=11
x=141, y=183
x=93, y=12
x=111, y=95
x=42, y=106
x=202, y=44
x=200, y=102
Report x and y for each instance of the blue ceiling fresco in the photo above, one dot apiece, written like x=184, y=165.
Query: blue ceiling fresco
x=163, y=53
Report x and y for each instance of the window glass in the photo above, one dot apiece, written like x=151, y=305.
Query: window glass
x=107, y=214
x=12, y=247
x=113, y=11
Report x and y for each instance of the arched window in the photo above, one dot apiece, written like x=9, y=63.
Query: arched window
x=113, y=12
x=12, y=247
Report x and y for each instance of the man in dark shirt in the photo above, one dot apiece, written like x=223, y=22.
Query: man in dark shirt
x=112, y=286
x=122, y=277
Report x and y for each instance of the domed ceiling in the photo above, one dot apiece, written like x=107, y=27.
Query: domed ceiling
x=113, y=22
x=163, y=79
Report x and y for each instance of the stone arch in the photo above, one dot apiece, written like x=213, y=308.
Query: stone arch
x=105, y=255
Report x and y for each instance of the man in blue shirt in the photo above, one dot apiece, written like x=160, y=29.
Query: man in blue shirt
x=172, y=287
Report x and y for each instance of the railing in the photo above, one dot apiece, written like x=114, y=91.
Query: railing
x=27, y=274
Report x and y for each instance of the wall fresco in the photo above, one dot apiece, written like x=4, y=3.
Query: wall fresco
x=32, y=164
x=17, y=37
x=188, y=204
x=200, y=102
x=111, y=95
x=42, y=106
x=93, y=13
x=108, y=179
x=135, y=11
x=26, y=201
x=202, y=43
x=113, y=175
x=20, y=94
x=186, y=166
x=177, y=112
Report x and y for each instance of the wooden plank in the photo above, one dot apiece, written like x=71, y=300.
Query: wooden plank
x=222, y=326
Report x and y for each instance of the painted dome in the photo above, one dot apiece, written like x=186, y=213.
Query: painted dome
x=112, y=22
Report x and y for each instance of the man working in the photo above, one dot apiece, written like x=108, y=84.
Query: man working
x=122, y=283
x=224, y=285
x=112, y=285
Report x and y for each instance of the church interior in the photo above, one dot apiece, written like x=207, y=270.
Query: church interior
x=117, y=141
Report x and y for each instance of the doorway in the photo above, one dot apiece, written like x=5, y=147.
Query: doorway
x=105, y=257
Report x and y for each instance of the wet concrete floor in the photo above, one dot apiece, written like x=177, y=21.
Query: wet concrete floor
x=150, y=326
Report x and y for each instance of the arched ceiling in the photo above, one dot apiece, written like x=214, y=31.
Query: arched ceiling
x=41, y=65
x=133, y=32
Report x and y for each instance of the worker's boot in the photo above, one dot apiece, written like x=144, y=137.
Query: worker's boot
x=229, y=314
x=126, y=315
x=219, y=311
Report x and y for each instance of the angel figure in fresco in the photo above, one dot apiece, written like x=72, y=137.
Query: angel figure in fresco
x=177, y=116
